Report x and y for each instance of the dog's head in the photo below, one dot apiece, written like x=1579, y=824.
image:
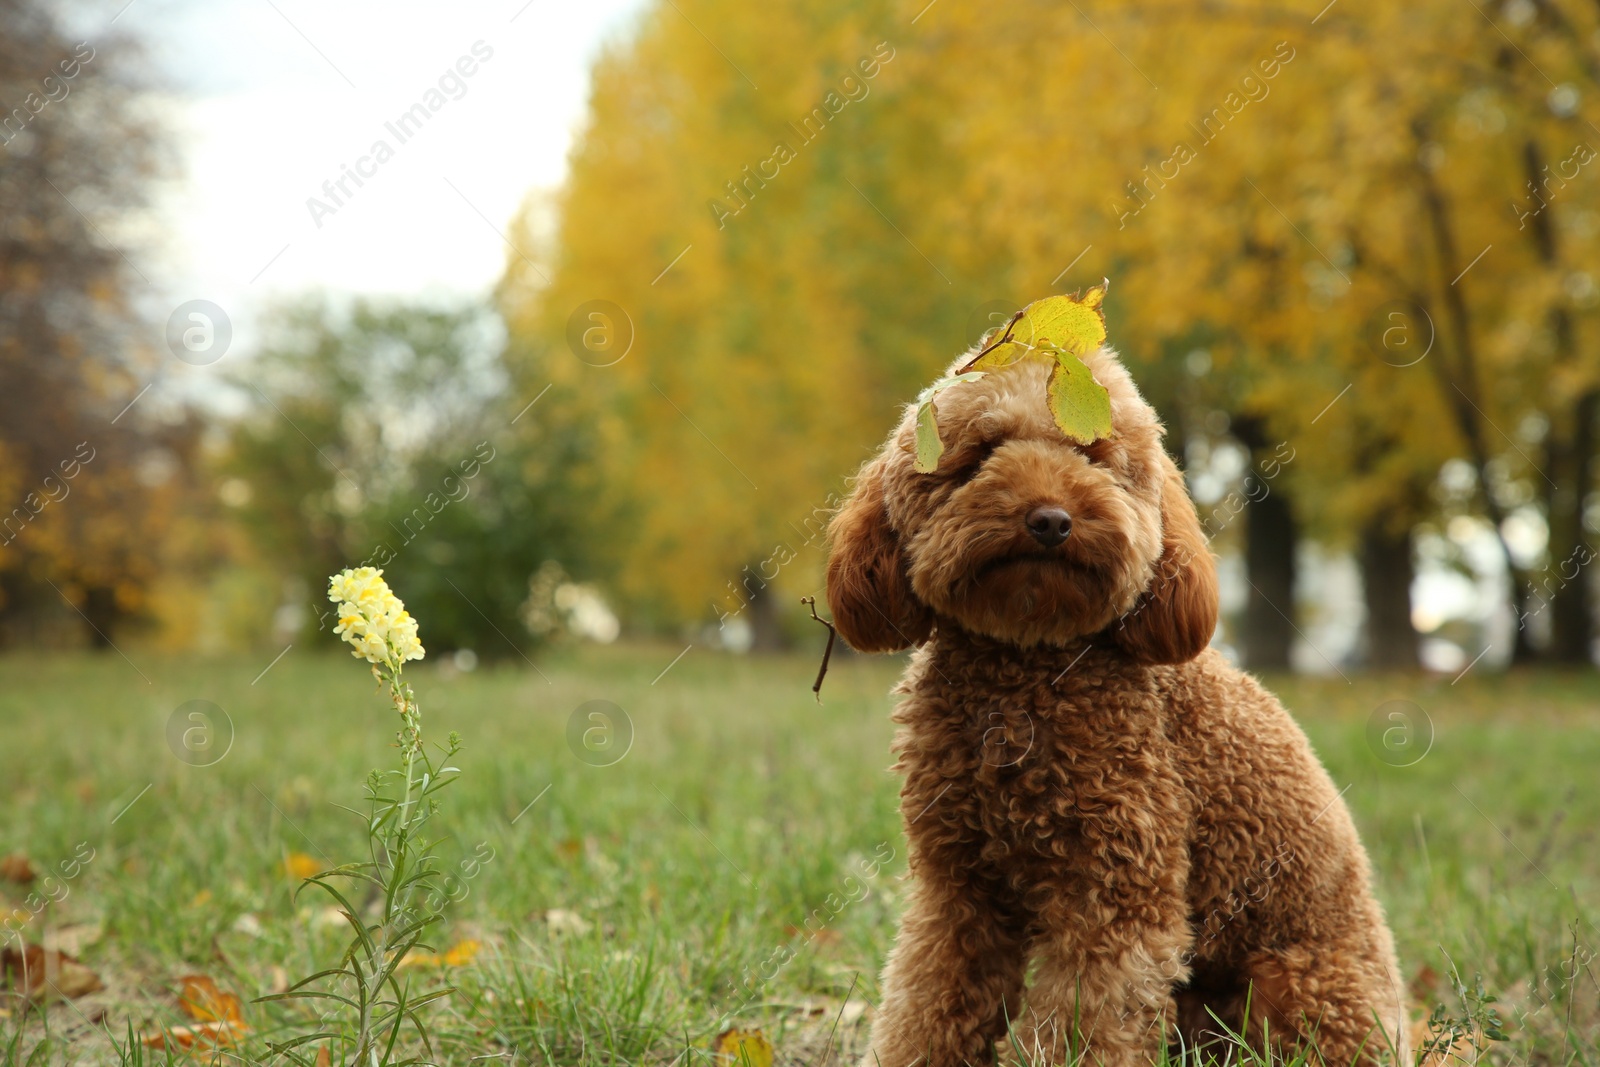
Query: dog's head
x=1023, y=535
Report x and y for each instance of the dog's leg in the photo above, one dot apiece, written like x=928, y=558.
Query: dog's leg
x=1107, y=998
x=954, y=977
x=1114, y=940
x=1339, y=1001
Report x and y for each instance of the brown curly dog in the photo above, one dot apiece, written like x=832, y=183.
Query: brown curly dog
x=1090, y=790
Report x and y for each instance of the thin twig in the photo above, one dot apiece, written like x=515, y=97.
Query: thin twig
x=1000, y=339
x=827, y=653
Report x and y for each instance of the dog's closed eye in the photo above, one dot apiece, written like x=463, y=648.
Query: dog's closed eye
x=1102, y=453
x=973, y=462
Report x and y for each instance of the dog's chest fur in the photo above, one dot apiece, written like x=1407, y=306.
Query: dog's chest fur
x=1037, y=766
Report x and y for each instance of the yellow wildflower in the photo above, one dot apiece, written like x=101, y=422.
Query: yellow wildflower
x=372, y=619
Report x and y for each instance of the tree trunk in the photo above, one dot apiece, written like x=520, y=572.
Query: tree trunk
x=766, y=623
x=11, y=615
x=1270, y=537
x=1459, y=384
x=1565, y=588
x=1386, y=573
x=100, y=615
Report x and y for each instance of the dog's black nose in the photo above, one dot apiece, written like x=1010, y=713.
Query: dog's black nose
x=1049, y=526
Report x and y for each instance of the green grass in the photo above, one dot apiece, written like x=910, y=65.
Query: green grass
x=736, y=826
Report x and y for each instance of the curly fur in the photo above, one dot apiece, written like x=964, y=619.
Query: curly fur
x=1088, y=788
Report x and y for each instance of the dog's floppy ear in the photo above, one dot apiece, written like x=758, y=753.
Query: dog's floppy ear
x=1174, y=620
x=873, y=605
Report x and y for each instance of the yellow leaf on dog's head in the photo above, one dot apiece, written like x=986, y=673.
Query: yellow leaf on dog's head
x=742, y=1048
x=1081, y=406
x=1061, y=330
x=1075, y=325
x=929, y=447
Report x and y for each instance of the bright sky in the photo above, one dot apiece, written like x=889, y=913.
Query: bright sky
x=272, y=98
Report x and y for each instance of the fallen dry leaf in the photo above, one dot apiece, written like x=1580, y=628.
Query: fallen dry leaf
x=201, y=1035
x=457, y=955
x=324, y=1057
x=39, y=974
x=73, y=938
x=218, y=1019
x=17, y=868
x=202, y=1001
x=742, y=1048
x=299, y=866
x=462, y=953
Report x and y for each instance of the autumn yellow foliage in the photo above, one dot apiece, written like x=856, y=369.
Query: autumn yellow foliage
x=1375, y=223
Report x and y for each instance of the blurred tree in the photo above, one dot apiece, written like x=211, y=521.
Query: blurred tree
x=93, y=487
x=1290, y=183
x=766, y=259
x=380, y=435
x=1331, y=199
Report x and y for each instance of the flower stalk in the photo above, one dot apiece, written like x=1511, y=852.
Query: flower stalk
x=365, y=989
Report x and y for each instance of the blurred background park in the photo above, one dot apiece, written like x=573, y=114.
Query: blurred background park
x=673, y=267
